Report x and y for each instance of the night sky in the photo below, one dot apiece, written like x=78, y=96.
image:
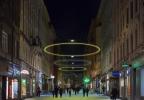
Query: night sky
x=71, y=18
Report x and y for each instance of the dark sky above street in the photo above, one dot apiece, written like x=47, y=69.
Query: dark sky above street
x=71, y=18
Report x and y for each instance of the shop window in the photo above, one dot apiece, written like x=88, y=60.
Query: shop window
x=23, y=87
x=142, y=82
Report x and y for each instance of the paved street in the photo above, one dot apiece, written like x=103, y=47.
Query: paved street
x=92, y=97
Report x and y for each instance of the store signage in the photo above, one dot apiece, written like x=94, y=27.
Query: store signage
x=26, y=72
x=115, y=73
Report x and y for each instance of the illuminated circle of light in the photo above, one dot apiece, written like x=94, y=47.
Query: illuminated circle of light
x=72, y=43
x=65, y=62
x=72, y=69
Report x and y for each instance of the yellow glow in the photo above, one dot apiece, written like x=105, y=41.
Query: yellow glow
x=75, y=43
x=72, y=69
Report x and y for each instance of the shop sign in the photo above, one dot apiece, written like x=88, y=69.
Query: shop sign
x=25, y=72
x=13, y=70
x=115, y=73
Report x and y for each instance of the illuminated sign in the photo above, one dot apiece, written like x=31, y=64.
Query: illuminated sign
x=115, y=73
x=26, y=72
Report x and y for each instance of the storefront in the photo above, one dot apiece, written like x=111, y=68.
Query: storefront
x=9, y=80
x=142, y=83
x=138, y=78
x=25, y=80
x=12, y=88
x=125, y=83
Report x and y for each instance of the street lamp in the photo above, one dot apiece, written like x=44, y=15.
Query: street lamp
x=72, y=56
x=52, y=77
x=72, y=40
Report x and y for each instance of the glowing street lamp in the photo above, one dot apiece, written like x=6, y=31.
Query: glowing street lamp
x=72, y=40
x=86, y=80
x=52, y=77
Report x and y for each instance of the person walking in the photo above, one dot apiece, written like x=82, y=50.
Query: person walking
x=103, y=89
x=84, y=91
x=87, y=91
x=114, y=93
x=56, y=91
x=69, y=90
x=53, y=93
x=38, y=91
x=60, y=92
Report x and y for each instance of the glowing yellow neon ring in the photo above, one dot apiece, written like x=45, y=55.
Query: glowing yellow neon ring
x=72, y=69
x=73, y=43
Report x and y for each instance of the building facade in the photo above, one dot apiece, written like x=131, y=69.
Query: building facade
x=101, y=33
x=24, y=30
x=9, y=42
x=36, y=32
x=128, y=46
x=122, y=33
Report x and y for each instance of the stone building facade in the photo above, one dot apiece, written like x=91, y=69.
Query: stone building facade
x=25, y=28
x=128, y=46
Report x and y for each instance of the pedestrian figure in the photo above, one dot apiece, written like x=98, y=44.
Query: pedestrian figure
x=103, y=89
x=53, y=93
x=69, y=90
x=60, y=91
x=56, y=91
x=87, y=91
x=84, y=91
x=114, y=93
x=38, y=91
x=75, y=90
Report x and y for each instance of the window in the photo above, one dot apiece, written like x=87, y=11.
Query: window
x=121, y=54
x=136, y=5
x=123, y=51
x=123, y=22
x=127, y=20
x=4, y=41
x=136, y=37
x=127, y=46
x=16, y=49
x=131, y=42
x=110, y=57
x=131, y=10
